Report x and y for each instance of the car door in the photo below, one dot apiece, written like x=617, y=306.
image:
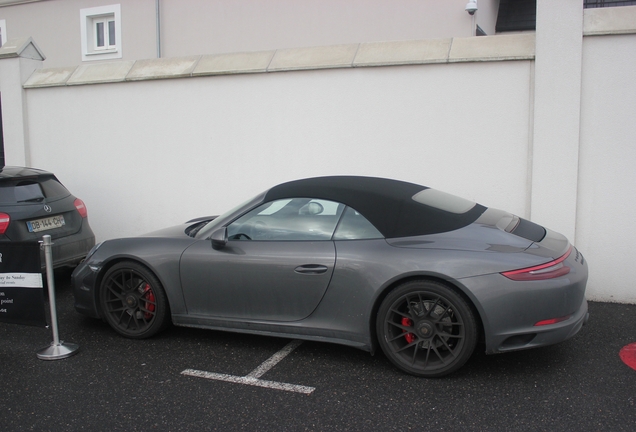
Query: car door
x=276, y=265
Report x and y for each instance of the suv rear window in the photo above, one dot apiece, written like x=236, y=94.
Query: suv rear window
x=53, y=189
x=23, y=190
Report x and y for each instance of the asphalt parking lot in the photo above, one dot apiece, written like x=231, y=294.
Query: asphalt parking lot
x=119, y=384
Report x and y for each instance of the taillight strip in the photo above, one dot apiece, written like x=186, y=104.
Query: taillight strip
x=541, y=272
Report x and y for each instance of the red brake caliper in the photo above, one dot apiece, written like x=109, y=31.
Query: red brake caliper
x=406, y=322
x=150, y=301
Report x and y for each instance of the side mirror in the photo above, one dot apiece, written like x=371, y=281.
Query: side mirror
x=219, y=238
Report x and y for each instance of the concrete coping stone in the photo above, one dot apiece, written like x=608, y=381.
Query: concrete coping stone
x=161, y=68
x=609, y=21
x=322, y=57
x=51, y=77
x=483, y=48
x=519, y=46
x=233, y=63
x=403, y=52
x=97, y=73
x=21, y=47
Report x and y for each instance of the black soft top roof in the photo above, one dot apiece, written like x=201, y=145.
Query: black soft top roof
x=387, y=204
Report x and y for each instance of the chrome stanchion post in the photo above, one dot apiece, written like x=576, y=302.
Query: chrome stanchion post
x=58, y=349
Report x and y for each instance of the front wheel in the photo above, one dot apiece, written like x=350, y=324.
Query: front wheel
x=426, y=329
x=133, y=301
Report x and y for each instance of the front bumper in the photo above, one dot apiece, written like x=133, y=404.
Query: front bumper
x=83, y=282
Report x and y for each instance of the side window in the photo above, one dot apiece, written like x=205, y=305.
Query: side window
x=288, y=220
x=354, y=226
x=101, y=32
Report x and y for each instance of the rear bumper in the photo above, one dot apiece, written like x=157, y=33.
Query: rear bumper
x=541, y=336
x=510, y=310
x=70, y=250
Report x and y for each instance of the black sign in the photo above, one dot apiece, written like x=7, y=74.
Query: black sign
x=21, y=289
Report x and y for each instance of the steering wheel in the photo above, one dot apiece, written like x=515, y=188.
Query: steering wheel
x=259, y=230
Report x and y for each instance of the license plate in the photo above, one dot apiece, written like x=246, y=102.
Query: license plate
x=46, y=223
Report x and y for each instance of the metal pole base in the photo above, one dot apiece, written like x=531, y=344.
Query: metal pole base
x=57, y=352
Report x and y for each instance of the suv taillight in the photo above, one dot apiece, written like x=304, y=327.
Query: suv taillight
x=81, y=207
x=5, y=219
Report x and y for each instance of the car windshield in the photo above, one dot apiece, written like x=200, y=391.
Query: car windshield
x=207, y=230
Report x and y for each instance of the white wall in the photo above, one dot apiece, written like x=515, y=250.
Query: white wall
x=14, y=119
x=143, y=155
x=606, y=204
x=556, y=119
x=148, y=154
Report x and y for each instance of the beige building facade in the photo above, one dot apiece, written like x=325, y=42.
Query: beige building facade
x=145, y=29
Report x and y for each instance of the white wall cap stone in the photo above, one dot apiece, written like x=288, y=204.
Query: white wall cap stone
x=97, y=73
x=493, y=48
x=473, y=49
x=233, y=63
x=609, y=21
x=323, y=57
x=49, y=77
x=160, y=68
x=403, y=52
x=22, y=47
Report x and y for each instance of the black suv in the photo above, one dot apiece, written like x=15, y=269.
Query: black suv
x=34, y=203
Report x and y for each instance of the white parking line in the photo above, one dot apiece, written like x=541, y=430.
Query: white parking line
x=253, y=377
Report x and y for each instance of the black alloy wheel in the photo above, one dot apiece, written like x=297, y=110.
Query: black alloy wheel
x=133, y=301
x=426, y=329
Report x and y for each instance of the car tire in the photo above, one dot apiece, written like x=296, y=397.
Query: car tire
x=133, y=301
x=426, y=329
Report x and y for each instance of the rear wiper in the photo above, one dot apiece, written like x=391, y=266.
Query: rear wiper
x=40, y=199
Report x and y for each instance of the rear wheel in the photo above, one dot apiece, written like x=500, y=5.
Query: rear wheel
x=133, y=301
x=426, y=329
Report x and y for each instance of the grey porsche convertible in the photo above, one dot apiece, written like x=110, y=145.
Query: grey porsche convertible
x=360, y=261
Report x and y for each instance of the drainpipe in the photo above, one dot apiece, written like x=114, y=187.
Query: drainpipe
x=158, y=27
